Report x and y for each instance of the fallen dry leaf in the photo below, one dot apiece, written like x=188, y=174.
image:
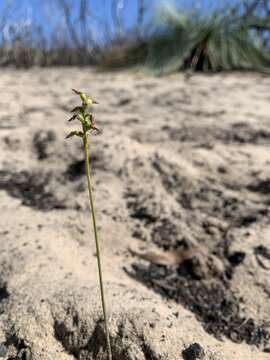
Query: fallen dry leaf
x=169, y=258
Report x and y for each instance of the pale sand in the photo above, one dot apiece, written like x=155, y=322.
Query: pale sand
x=163, y=140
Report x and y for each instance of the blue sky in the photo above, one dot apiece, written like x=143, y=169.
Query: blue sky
x=46, y=13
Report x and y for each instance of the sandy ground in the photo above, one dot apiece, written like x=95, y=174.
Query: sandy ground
x=182, y=164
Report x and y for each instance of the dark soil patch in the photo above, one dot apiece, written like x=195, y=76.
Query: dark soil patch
x=42, y=142
x=212, y=197
x=260, y=186
x=211, y=300
x=236, y=258
x=207, y=218
x=193, y=352
x=76, y=169
x=206, y=136
x=16, y=348
x=203, y=211
x=3, y=293
x=244, y=134
x=30, y=188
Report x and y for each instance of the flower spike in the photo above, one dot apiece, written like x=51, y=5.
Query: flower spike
x=86, y=119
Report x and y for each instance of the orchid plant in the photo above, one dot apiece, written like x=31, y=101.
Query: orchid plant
x=84, y=115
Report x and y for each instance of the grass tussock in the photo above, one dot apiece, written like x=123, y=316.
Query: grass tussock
x=207, y=43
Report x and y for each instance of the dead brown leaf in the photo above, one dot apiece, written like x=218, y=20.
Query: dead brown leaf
x=169, y=258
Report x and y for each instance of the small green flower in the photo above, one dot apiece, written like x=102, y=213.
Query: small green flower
x=86, y=100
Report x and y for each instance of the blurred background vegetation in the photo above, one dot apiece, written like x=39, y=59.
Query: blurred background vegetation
x=163, y=36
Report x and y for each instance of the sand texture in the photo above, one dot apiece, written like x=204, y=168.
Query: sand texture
x=181, y=175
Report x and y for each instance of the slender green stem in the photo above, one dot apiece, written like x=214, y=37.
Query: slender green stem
x=88, y=175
